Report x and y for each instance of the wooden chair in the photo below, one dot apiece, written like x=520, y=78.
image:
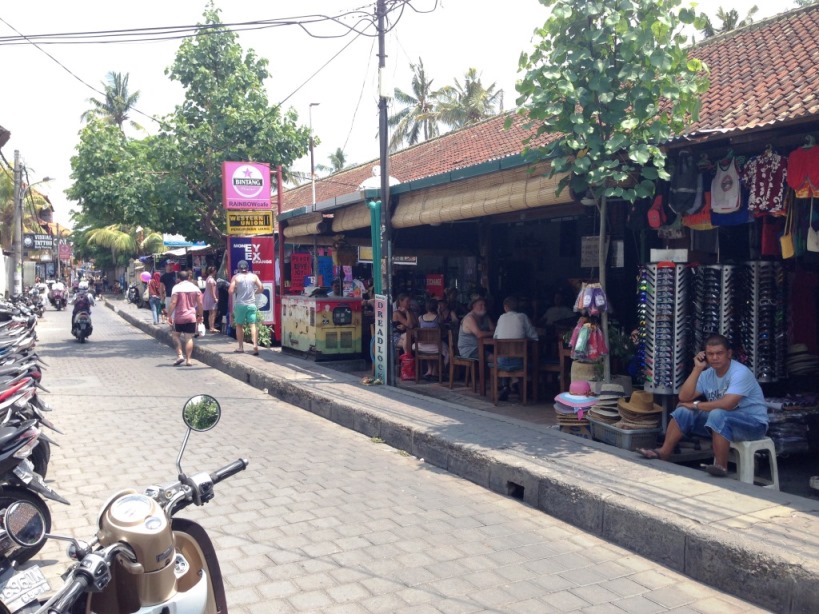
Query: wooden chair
x=455, y=360
x=511, y=348
x=560, y=366
x=427, y=337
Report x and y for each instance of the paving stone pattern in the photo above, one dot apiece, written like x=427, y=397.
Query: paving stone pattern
x=324, y=519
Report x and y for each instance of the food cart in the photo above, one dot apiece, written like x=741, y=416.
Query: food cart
x=322, y=327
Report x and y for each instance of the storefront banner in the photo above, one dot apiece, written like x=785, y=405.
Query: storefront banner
x=365, y=254
x=65, y=251
x=381, y=330
x=32, y=241
x=246, y=223
x=325, y=271
x=259, y=253
x=299, y=269
x=435, y=285
x=245, y=185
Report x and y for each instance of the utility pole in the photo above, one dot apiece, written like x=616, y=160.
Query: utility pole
x=18, y=224
x=312, y=161
x=386, y=222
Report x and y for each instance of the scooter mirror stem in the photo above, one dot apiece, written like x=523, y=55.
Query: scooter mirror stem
x=182, y=451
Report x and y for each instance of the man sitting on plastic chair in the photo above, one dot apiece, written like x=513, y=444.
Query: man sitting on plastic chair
x=512, y=325
x=733, y=410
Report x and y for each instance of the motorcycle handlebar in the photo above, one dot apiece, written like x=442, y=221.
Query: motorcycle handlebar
x=68, y=595
x=229, y=470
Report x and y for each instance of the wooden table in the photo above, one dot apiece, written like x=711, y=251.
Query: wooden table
x=532, y=349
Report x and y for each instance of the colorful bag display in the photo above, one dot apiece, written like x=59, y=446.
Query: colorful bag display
x=786, y=242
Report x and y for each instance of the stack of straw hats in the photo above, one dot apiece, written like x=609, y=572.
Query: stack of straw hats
x=573, y=406
x=639, y=412
x=605, y=410
x=801, y=362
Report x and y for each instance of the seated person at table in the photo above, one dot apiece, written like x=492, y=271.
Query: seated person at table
x=512, y=325
x=559, y=311
x=430, y=319
x=733, y=410
x=447, y=317
x=403, y=319
x=475, y=324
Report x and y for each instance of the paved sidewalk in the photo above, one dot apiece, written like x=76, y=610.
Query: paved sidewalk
x=745, y=540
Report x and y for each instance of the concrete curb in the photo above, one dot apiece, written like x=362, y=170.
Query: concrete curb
x=777, y=577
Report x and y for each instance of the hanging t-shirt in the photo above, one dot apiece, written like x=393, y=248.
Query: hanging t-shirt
x=803, y=171
x=725, y=191
x=765, y=175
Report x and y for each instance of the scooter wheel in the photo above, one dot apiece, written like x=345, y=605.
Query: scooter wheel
x=40, y=456
x=11, y=494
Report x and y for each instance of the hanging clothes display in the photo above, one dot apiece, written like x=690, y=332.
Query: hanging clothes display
x=766, y=177
x=803, y=170
x=725, y=188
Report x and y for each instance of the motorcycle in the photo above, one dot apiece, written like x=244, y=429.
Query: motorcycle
x=134, y=295
x=24, y=525
x=82, y=328
x=58, y=299
x=143, y=558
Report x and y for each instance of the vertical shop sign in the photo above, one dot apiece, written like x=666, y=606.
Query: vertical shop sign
x=245, y=185
x=259, y=252
x=299, y=269
x=325, y=271
x=380, y=337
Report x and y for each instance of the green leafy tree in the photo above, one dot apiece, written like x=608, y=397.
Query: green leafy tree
x=118, y=102
x=113, y=179
x=126, y=242
x=730, y=21
x=225, y=116
x=417, y=121
x=610, y=82
x=469, y=102
x=33, y=204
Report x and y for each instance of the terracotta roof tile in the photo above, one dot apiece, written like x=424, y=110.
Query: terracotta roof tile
x=760, y=75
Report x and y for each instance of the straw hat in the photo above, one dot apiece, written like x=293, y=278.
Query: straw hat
x=641, y=402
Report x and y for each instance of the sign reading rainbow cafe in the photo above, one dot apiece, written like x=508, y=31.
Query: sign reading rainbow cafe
x=246, y=187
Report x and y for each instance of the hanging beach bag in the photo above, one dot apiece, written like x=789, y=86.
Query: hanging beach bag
x=813, y=235
x=786, y=244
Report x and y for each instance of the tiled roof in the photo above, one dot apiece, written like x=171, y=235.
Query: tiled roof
x=760, y=75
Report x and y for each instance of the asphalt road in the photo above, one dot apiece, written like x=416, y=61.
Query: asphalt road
x=324, y=519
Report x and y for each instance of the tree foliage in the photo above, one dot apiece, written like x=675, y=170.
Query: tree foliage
x=612, y=81
x=33, y=204
x=225, y=116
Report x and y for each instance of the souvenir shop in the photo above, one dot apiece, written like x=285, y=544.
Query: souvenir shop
x=738, y=256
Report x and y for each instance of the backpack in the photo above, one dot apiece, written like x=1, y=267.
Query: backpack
x=683, y=191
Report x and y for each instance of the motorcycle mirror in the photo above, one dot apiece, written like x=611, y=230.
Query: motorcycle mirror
x=201, y=413
x=24, y=523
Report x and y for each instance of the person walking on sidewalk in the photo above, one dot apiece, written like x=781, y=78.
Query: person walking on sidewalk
x=211, y=299
x=184, y=313
x=734, y=407
x=244, y=287
x=155, y=296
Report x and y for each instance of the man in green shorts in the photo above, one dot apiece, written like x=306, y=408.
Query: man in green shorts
x=244, y=287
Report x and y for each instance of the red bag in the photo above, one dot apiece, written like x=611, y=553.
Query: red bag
x=656, y=215
x=407, y=366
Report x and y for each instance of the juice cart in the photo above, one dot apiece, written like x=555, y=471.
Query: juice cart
x=322, y=327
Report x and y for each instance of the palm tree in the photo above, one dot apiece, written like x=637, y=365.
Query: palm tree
x=125, y=242
x=338, y=161
x=468, y=103
x=730, y=21
x=33, y=204
x=417, y=121
x=117, y=104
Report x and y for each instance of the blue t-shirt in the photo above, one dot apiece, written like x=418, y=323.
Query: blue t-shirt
x=738, y=380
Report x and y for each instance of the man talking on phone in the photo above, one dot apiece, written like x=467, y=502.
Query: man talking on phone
x=721, y=399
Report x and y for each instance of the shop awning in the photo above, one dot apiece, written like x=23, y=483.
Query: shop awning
x=516, y=189
x=352, y=218
x=310, y=224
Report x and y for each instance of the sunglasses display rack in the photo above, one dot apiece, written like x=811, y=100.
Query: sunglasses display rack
x=762, y=328
x=714, y=304
x=666, y=326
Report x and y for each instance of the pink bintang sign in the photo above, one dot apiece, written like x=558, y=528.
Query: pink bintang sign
x=245, y=185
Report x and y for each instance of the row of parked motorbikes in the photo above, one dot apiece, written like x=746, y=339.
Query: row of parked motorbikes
x=143, y=558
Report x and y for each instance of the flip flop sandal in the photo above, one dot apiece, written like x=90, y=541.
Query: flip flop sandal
x=715, y=470
x=238, y=351
x=255, y=352
x=178, y=362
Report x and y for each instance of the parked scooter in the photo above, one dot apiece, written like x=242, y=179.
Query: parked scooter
x=134, y=295
x=143, y=559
